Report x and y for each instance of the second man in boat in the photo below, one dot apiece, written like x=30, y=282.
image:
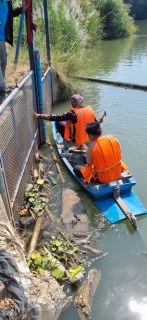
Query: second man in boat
x=103, y=157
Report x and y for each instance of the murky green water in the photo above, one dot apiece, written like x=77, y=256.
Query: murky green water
x=122, y=292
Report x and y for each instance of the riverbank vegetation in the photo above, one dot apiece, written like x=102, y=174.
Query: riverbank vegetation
x=75, y=26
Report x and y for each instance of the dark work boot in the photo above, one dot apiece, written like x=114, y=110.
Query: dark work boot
x=2, y=94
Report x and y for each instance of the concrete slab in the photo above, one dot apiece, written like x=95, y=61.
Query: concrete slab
x=73, y=211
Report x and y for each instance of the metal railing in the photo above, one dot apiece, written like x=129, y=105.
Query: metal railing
x=19, y=139
x=47, y=91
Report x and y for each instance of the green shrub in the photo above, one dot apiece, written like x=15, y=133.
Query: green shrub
x=116, y=19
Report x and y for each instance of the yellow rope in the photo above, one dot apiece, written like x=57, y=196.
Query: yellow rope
x=108, y=167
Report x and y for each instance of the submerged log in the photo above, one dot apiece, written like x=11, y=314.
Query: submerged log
x=32, y=214
x=36, y=174
x=47, y=188
x=85, y=293
x=44, y=158
x=116, y=83
x=92, y=250
x=79, y=234
x=64, y=236
x=41, y=170
x=51, y=216
x=85, y=240
x=53, y=193
x=35, y=235
x=55, y=160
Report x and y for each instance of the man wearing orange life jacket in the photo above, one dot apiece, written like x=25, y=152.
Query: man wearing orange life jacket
x=71, y=124
x=103, y=157
x=76, y=131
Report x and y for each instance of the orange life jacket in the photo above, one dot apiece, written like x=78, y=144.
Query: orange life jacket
x=84, y=115
x=106, y=165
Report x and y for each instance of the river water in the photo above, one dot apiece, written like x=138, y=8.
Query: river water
x=122, y=292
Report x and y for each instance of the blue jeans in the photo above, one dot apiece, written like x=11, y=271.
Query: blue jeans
x=3, y=63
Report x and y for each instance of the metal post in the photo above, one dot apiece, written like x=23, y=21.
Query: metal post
x=48, y=41
x=47, y=32
x=19, y=37
x=33, y=67
x=31, y=45
x=40, y=91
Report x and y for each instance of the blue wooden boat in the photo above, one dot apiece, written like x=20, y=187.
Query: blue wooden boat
x=116, y=200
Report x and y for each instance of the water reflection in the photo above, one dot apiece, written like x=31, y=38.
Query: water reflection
x=121, y=60
x=138, y=307
x=107, y=55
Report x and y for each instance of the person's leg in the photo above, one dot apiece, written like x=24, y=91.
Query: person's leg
x=77, y=171
x=3, y=58
x=61, y=127
x=3, y=63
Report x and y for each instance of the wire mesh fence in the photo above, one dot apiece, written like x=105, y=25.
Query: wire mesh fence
x=19, y=137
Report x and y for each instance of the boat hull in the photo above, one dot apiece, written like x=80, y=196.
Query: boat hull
x=101, y=194
x=113, y=212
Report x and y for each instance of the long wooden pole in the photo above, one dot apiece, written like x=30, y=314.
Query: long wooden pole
x=35, y=236
x=55, y=159
x=115, y=83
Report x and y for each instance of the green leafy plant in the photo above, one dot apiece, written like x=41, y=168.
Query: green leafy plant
x=37, y=202
x=40, y=181
x=38, y=262
x=62, y=250
x=57, y=273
